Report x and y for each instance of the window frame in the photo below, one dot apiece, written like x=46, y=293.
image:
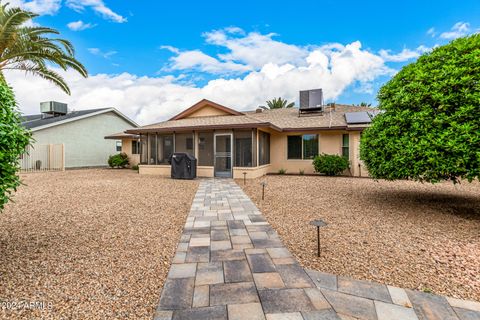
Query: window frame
x=302, y=146
x=136, y=147
x=346, y=147
x=118, y=145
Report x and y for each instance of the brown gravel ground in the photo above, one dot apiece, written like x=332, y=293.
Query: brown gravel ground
x=96, y=244
x=402, y=233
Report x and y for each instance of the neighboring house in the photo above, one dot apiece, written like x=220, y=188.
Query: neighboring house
x=228, y=143
x=80, y=132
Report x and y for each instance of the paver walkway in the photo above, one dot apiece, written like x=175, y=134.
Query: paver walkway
x=231, y=264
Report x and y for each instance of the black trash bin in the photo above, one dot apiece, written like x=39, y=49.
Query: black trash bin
x=184, y=166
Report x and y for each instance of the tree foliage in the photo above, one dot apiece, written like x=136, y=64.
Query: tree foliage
x=279, y=103
x=31, y=48
x=430, y=126
x=330, y=164
x=14, y=138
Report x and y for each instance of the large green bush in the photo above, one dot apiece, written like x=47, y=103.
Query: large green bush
x=430, y=126
x=330, y=164
x=119, y=160
x=13, y=140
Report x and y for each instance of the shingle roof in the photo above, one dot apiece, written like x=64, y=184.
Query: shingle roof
x=38, y=120
x=277, y=119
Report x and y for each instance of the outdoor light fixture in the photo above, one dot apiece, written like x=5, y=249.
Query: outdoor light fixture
x=263, y=183
x=318, y=223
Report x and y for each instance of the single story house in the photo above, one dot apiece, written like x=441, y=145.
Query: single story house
x=227, y=142
x=79, y=133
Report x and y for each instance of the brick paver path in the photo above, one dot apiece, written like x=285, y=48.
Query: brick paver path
x=231, y=264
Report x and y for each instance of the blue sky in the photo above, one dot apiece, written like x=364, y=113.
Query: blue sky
x=151, y=59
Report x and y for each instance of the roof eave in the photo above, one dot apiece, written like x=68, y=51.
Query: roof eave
x=204, y=127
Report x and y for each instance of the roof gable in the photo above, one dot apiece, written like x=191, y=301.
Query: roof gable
x=206, y=108
x=35, y=123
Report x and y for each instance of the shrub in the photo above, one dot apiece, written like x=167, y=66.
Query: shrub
x=429, y=128
x=13, y=140
x=330, y=164
x=301, y=172
x=118, y=160
x=135, y=167
x=282, y=171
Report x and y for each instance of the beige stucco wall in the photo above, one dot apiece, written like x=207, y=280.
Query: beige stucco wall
x=252, y=172
x=134, y=159
x=330, y=142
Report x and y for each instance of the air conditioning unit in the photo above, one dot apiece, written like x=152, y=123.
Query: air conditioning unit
x=54, y=108
x=311, y=101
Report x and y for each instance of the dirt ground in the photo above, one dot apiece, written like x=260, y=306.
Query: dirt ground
x=89, y=244
x=402, y=233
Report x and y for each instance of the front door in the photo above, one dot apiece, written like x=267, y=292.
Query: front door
x=223, y=155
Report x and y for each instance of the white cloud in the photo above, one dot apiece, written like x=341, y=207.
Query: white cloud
x=404, y=55
x=432, y=32
x=254, y=49
x=195, y=60
x=98, y=52
x=79, y=25
x=41, y=7
x=333, y=67
x=459, y=29
x=98, y=6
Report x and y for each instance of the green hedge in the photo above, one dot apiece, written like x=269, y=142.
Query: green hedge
x=13, y=140
x=118, y=160
x=330, y=164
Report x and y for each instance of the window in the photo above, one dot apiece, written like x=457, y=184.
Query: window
x=310, y=146
x=184, y=143
x=243, y=149
x=263, y=148
x=294, y=146
x=346, y=146
x=164, y=148
x=205, y=148
x=118, y=146
x=135, y=147
x=302, y=147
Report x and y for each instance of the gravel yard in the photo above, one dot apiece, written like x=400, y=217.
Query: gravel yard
x=403, y=233
x=94, y=244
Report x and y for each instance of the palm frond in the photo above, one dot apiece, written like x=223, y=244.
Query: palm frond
x=33, y=49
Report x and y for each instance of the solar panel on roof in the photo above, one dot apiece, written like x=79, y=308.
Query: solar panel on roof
x=359, y=117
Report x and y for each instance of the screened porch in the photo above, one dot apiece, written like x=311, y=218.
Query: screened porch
x=221, y=150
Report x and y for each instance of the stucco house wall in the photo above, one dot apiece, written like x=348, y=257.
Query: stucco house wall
x=134, y=159
x=84, y=141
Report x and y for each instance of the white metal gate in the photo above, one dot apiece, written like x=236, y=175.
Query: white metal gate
x=45, y=157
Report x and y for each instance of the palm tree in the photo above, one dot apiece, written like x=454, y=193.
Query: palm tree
x=32, y=49
x=279, y=103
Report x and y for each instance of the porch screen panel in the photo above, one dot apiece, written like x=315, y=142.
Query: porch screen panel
x=254, y=147
x=184, y=143
x=205, y=148
x=263, y=148
x=143, y=149
x=165, y=148
x=243, y=148
x=152, y=149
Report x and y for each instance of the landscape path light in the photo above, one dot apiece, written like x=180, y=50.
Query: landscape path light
x=318, y=223
x=263, y=183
